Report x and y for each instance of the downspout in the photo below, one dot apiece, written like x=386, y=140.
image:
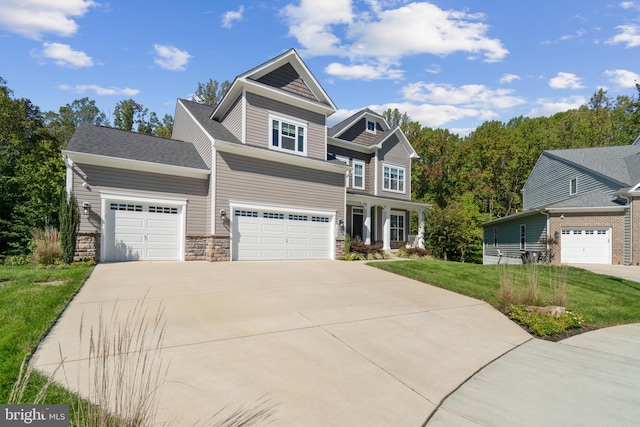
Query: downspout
x=548, y=233
x=629, y=202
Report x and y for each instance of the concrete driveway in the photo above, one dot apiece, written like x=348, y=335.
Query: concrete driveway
x=629, y=272
x=330, y=343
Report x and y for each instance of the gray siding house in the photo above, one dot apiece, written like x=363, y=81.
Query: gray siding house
x=585, y=199
x=257, y=177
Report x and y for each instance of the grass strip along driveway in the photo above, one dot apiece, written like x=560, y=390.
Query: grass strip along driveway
x=31, y=299
x=604, y=300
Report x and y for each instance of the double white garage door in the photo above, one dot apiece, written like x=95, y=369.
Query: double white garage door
x=265, y=234
x=586, y=245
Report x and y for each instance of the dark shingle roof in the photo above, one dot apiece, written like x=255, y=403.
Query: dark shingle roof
x=594, y=199
x=202, y=113
x=612, y=162
x=110, y=142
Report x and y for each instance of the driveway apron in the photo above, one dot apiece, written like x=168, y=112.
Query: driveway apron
x=328, y=343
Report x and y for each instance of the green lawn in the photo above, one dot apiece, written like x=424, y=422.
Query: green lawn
x=28, y=309
x=605, y=300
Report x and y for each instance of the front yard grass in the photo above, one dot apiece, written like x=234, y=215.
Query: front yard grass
x=31, y=300
x=604, y=300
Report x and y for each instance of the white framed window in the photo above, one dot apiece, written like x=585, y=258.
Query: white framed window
x=371, y=126
x=523, y=237
x=573, y=186
x=288, y=135
x=397, y=226
x=358, y=175
x=393, y=178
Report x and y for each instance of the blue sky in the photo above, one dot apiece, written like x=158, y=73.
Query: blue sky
x=448, y=63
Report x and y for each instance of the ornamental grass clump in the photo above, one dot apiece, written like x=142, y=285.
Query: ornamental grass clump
x=47, y=249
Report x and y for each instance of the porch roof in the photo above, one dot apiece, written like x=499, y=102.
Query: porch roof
x=408, y=205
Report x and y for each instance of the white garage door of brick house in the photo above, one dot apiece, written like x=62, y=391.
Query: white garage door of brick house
x=271, y=234
x=134, y=230
x=586, y=245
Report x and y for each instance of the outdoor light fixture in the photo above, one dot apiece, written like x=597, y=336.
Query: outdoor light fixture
x=86, y=207
x=223, y=213
x=340, y=222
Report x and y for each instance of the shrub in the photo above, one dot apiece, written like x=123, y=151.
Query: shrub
x=16, y=260
x=69, y=222
x=404, y=252
x=352, y=257
x=544, y=324
x=47, y=249
x=359, y=247
x=347, y=243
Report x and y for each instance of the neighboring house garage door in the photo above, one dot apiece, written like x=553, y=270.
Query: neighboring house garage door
x=586, y=245
x=143, y=231
x=264, y=234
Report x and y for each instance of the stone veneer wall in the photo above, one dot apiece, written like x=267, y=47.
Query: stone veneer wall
x=615, y=220
x=87, y=247
x=339, y=248
x=207, y=248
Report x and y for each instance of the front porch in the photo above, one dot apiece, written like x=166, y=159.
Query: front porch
x=382, y=219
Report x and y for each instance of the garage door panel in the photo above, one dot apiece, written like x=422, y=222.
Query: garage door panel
x=586, y=245
x=280, y=235
x=143, y=232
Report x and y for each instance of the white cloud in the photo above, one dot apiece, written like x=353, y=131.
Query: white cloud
x=629, y=34
x=64, y=55
x=509, y=78
x=99, y=90
x=229, y=17
x=469, y=96
x=33, y=18
x=627, y=5
x=548, y=107
x=623, y=78
x=171, y=58
x=363, y=71
x=383, y=32
x=565, y=81
x=434, y=69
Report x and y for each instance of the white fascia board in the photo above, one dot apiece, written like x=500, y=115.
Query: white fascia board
x=278, y=156
x=367, y=149
x=393, y=203
x=136, y=165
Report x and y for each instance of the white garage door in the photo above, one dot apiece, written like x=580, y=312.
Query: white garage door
x=273, y=235
x=137, y=231
x=586, y=246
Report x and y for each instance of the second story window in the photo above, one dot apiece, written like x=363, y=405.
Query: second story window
x=393, y=179
x=573, y=186
x=371, y=126
x=358, y=175
x=288, y=136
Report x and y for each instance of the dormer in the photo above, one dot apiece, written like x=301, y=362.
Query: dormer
x=278, y=105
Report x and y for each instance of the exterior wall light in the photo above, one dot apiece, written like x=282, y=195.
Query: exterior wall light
x=86, y=207
x=223, y=213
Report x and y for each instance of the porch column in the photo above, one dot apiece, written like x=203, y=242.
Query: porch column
x=366, y=229
x=386, y=229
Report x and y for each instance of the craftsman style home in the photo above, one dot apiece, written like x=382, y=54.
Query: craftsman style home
x=257, y=177
x=587, y=200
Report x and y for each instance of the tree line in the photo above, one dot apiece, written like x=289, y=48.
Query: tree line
x=473, y=179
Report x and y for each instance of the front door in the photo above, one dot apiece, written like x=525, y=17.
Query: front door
x=357, y=222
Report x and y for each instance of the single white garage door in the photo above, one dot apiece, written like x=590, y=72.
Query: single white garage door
x=586, y=245
x=273, y=235
x=137, y=231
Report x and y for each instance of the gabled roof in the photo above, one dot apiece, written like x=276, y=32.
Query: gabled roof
x=610, y=162
x=202, y=112
x=338, y=129
x=103, y=142
x=253, y=80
